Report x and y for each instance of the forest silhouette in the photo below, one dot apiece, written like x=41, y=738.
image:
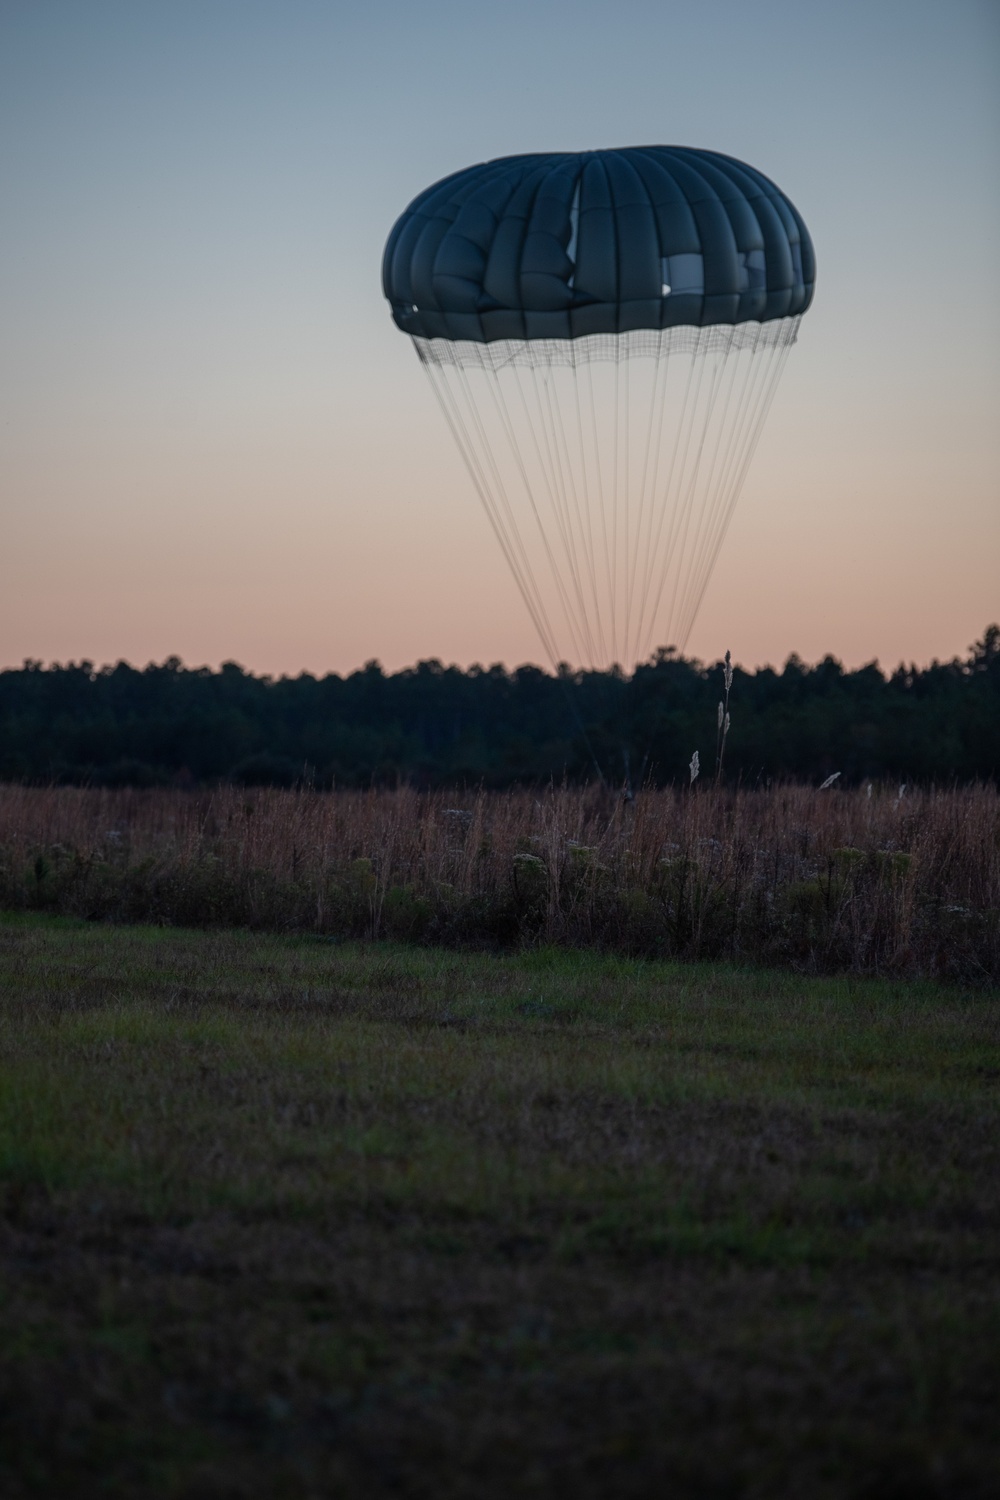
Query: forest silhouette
x=433, y=725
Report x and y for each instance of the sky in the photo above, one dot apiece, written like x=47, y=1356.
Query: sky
x=215, y=444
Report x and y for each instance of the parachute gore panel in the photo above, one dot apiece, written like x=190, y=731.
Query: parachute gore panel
x=564, y=245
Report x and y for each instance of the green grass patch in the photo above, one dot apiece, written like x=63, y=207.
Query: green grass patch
x=282, y=1216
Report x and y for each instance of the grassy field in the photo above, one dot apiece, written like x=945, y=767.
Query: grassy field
x=283, y=1217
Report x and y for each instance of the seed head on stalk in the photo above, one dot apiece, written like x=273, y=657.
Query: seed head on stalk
x=723, y=717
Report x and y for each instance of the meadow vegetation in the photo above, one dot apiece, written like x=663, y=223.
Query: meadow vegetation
x=881, y=879
x=288, y=1217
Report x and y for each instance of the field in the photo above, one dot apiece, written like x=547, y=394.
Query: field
x=878, y=880
x=292, y=1217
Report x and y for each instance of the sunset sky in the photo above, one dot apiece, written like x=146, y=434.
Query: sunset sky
x=215, y=444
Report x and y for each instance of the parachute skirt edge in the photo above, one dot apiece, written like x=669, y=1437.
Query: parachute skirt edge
x=637, y=343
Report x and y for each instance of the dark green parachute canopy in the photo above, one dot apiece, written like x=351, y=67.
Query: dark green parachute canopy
x=567, y=244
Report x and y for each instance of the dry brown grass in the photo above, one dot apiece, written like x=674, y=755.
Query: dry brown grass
x=873, y=881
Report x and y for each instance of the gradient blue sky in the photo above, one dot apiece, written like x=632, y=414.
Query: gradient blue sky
x=214, y=443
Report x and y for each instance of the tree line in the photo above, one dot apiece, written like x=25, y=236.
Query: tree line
x=436, y=725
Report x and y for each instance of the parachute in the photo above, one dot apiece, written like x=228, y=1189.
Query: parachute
x=604, y=332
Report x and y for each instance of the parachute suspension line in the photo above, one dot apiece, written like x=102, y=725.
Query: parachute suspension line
x=768, y=369
x=680, y=619
x=614, y=478
x=670, y=547
x=687, y=519
x=693, y=483
x=752, y=377
x=500, y=495
x=704, y=552
x=727, y=362
x=503, y=410
x=651, y=546
x=466, y=447
x=778, y=361
x=578, y=498
x=665, y=549
x=627, y=486
x=614, y=514
x=761, y=384
x=552, y=471
x=507, y=535
x=598, y=469
x=584, y=469
x=661, y=366
x=581, y=511
x=678, y=381
x=495, y=388
x=525, y=584
x=559, y=493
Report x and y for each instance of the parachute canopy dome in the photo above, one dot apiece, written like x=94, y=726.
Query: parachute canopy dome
x=566, y=245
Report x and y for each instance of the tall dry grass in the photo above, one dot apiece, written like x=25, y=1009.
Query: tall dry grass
x=868, y=880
